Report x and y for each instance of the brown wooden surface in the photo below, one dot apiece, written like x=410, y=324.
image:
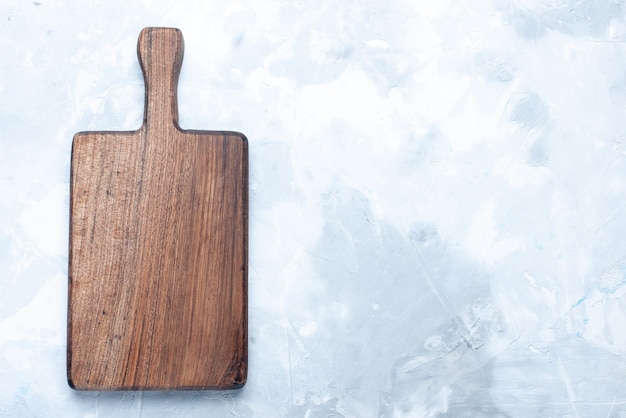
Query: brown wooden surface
x=158, y=246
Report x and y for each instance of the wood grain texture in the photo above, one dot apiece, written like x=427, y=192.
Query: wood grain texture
x=158, y=246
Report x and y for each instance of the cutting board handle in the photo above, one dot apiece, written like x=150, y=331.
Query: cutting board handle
x=160, y=52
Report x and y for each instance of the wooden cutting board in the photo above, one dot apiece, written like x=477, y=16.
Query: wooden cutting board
x=158, y=246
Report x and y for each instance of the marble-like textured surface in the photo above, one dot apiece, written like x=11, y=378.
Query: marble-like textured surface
x=437, y=207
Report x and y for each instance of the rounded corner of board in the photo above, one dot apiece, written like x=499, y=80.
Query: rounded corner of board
x=78, y=384
x=72, y=384
x=239, y=384
x=75, y=139
x=240, y=136
x=79, y=139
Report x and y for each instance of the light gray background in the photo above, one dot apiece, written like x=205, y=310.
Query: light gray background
x=437, y=195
